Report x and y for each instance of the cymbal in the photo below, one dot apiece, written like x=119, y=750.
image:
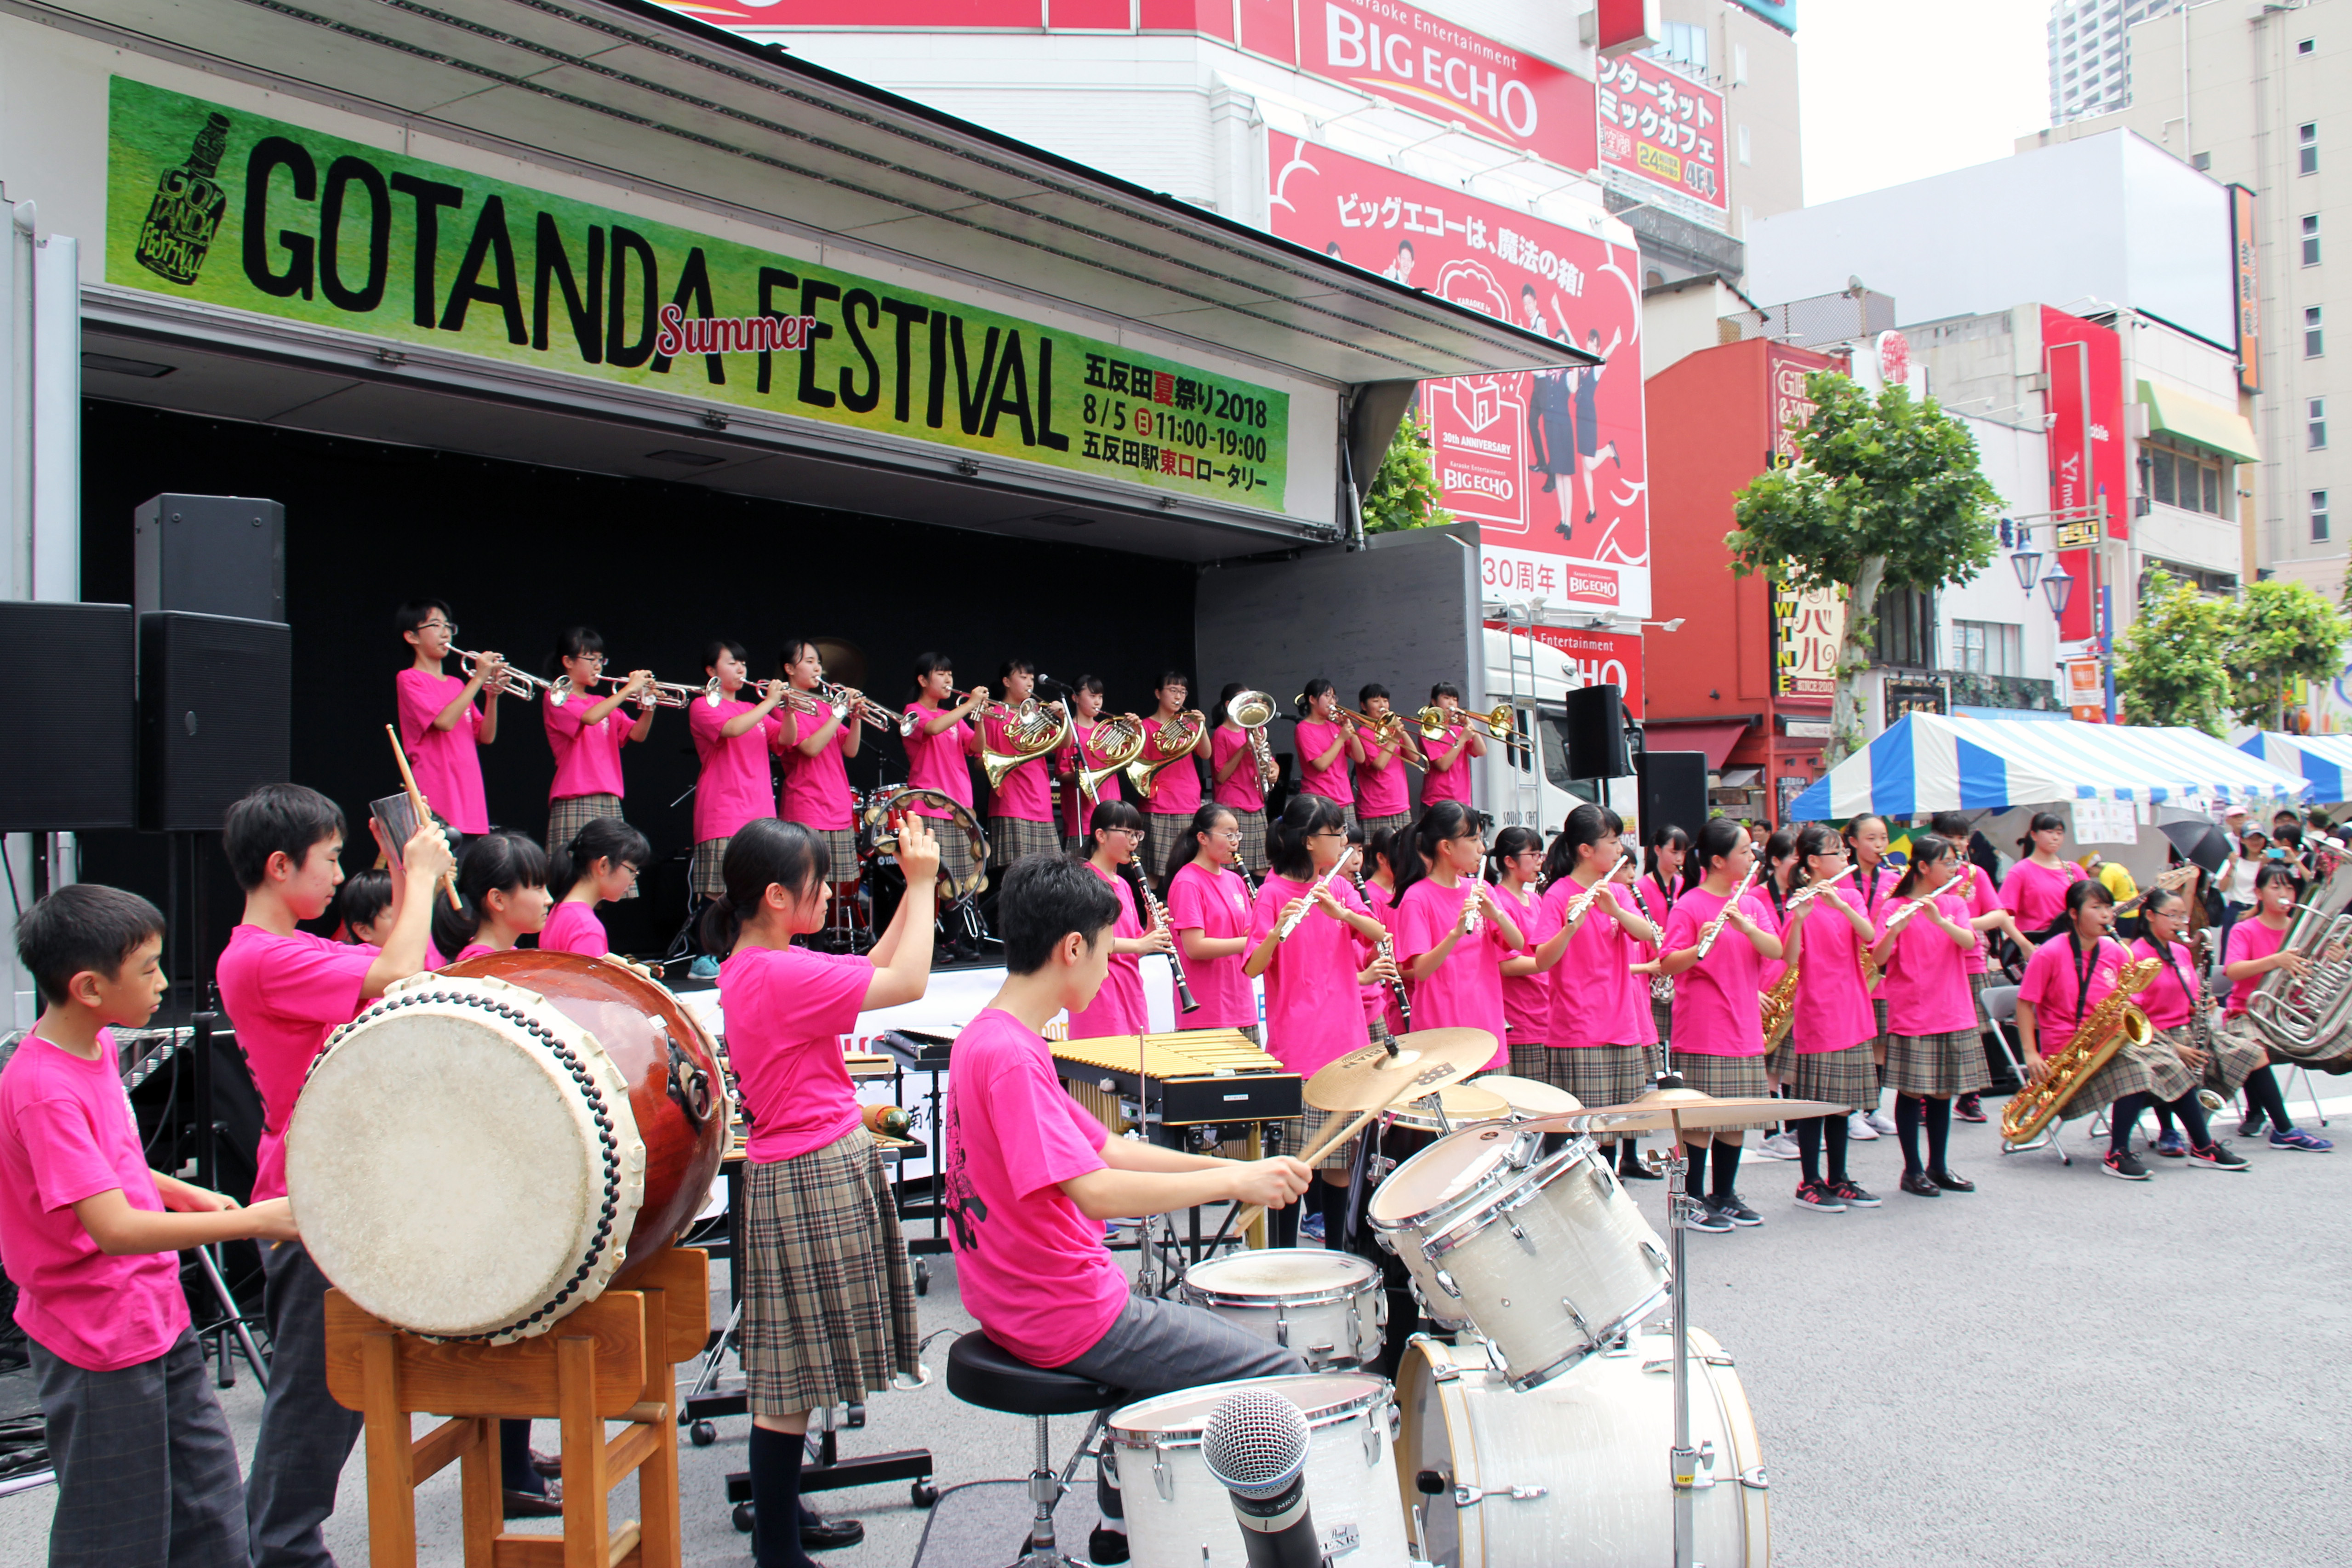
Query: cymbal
x=1663, y=1110
x=1425, y=1061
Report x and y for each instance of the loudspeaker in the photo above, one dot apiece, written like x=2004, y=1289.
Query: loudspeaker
x=213, y=555
x=216, y=699
x=1673, y=792
x=70, y=763
x=1596, y=733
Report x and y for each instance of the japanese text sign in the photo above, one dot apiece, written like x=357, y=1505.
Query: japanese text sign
x=1659, y=124
x=1808, y=629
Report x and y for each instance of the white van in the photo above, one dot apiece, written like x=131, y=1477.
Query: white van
x=1531, y=785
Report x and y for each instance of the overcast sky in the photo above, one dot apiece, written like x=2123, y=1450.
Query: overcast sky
x=1893, y=90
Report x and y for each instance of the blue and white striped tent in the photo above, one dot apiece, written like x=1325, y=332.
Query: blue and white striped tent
x=1928, y=762
x=2325, y=760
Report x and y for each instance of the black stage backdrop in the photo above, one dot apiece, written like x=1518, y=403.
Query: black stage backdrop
x=658, y=567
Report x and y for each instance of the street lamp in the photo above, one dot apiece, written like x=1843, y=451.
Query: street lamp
x=2058, y=587
x=2027, y=562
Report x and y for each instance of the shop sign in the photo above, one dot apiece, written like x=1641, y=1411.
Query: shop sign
x=219, y=208
x=1906, y=697
x=1590, y=658
x=2083, y=363
x=1808, y=629
x=1549, y=463
x=1806, y=728
x=1404, y=54
x=1792, y=406
x=2086, y=690
x=1659, y=124
x=2245, y=257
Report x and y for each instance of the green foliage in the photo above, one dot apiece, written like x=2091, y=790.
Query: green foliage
x=2283, y=632
x=2172, y=663
x=1403, y=494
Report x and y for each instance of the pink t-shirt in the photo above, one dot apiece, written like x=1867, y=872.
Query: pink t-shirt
x=1870, y=888
x=1716, y=1011
x=1441, y=782
x=447, y=766
x=1177, y=787
x=1313, y=738
x=587, y=756
x=1526, y=999
x=1925, y=988
x=285, y=995
x=1241, y=791
x=2054, y=985
x=734, y=787
x=572, y=927
x=1314, y=1009
x=786, y=1009
x=1467, y=990
x=1078, y=812
x=2250, y=939
x=1381, y=790
x=1983, y=898
x=1031, y=1268
x=1117, y=1007
x=1214, y=905
x=1587, y=985
x=475, y=950
x=1652, y=908
x=2036, y=894
x=1027, y=792
x=1379, y=996
x=939, y=761
x=67, y=1133
x=817, y=789
x=2165, y=999
x=1832, y=1011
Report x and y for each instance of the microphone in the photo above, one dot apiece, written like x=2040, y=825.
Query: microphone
x=1255, y=1445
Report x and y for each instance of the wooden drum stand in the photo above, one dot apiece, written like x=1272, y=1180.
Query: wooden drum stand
x=610, y=1361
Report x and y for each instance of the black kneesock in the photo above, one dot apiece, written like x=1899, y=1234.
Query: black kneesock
x=1726, y=1168
x=1907, y=1128
x=2262, y=1092
x=2122, y=1117
x=1833, y=1132
x=775, y=1460
x=2191, y=1111
x=1282, y=1225
x=1809, y=1147
x=514, y=1473
x=1938, y=1113
x=1628, y=1154
x=2163, y=1108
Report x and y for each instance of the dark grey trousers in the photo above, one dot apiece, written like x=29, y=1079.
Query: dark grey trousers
x=305, y=1436
x=146, y=1468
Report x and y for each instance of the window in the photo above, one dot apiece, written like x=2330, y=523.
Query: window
x=2311, y=240
x=2319, y=516
x=2316, y=429
x=2194, y=481
x=2305, y=46
x=1739, y=65
x=2307, y=149
x=1685, y=43
x=1743, y=144
x=2314, y=341
x=1906, y=629
x=1989, y=647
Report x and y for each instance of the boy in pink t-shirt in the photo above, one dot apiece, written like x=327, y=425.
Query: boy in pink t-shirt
x=440, y=726
x=146, y=1469
x=286, y=991
x=1029, y=1177
x=1384, y=781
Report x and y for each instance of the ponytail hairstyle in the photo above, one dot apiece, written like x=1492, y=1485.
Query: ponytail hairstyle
x=1671, y=837
x=1926, y=848
x=1380, y=846
x=1314, y=688
x=494, y=863
x=1180, y=852
x=1781, y=845
x=1093, y=683
x=1224, y=700
x=1814, y=839
x=719, y=647
x=1287, y=835
x=1025, y=667
x=1588, y=824
x=2080, y=893
x=764, y=852
x=2042, y=821
x=600, y=839
x=1508, y=842
x=790, y=654
x=1853, y=827
x=575, y=641
x=1718, y=838
x=1438, y=823
x=928, y=664
x=1116, y=814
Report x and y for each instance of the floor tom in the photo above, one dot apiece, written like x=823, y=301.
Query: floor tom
x=1327, y=1306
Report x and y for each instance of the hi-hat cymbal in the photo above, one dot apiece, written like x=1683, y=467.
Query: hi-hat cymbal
x=1663, y=1110
x=1425, y=1061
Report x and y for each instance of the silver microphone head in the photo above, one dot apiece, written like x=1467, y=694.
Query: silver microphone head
x=1254, y=1443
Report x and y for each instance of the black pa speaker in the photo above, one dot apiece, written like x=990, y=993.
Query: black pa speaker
x=71, y=761
x=1673, y=792
x=1596, y=733
x=215, y=698
x=214, y=555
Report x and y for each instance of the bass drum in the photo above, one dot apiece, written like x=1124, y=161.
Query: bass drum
x=1574, y=1474
x=480, y=1152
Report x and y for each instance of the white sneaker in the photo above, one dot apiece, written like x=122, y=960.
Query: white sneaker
x=1881, y=1125
x=1780, y=1147
x=1859, y=1128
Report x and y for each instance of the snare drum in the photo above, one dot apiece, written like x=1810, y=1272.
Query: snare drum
x=1327, y=1306
x=1575, y=1474
x=481, y=1151
x=1405, y=1131
x=1177, y=1517
x=1547, y=1256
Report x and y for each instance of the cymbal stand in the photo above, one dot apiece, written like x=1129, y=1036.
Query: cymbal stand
x=1692, y=1467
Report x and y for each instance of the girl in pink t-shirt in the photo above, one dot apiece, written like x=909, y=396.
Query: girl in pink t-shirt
x=1933, y=1051
x=828, y=1306
x=1209, y=910
x=1325, y=746
x=1450, y=753
x=1235, y=780
x=2171, y=1002
x=2037, y=885
x=1718, y=1034
x=600, y=865
x=502, y=886
x=1655, y=892
x=586, y=730
x=1828, y=1053
x=440, y=727
x=1111, y=848
x=2255, y=948
x=1387, y=1008
x=1384, y=786
x=1599, y=1046
x=1085, y=758
x=732, y=737
x=1518, y=864
x=940, y=746
x=1452, y=934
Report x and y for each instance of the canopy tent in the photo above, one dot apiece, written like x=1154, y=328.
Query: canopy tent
x=1929, y=762
x=2325, y=760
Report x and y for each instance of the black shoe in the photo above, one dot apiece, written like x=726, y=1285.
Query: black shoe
x=1107, y=1546
x=2124, y=1165
x=1708, y=1218
x=1731, y=1208
x=548, y=1504
x=1917, y=1183
x=1969, y=1109
x=548, y=1465
x=1551, y=483
x=1951, y=1183
x=2252, y=1127
x=2217, y=1155
x=1638, y=1171
x=818, y=1534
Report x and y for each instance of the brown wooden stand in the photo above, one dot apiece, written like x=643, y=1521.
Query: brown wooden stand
x=609, y=1361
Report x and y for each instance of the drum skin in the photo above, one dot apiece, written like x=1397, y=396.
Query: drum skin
x=636, y=1021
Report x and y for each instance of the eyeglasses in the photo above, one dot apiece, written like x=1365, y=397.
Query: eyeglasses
x=448, y=626
x=1329, y=833
x=1122, y=832
x=597, y=659
x=1230, y=835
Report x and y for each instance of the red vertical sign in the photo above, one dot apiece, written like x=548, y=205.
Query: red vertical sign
x=2085, y=364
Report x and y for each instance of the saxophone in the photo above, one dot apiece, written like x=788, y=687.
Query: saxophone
x=2102, y=1032
x=2200, y=1022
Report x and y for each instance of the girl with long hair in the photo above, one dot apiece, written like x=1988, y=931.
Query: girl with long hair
x=1377, y=880
x=2170, y=1002
x=1234, y=781
x=1209, y=910
x=1085, y=756
x=600, y=863
x=1655, y=892
x=1933, y=1053
x=1978, y=892
x=1452, y=934
x=1518, y=861
x=586, y=731
x=1599, y=1046
x=502, y=886
x=2037, y=886
x=1828, y=1054
x=732, y=738
x=1874, y=875
x=2257, y=946
x=1112, y=843
x=814, y=745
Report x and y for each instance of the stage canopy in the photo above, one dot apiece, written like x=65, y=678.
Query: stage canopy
x=1932, y=763
x=2325, y=760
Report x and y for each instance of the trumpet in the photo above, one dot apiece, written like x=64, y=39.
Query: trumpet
x=714, y=694
x=1500, y=723
x=990, y=709
x=521, y=682
x=1120, y=742
x=1037, y=729
x=1254, y=711
x=657, y=694
x=843, y=699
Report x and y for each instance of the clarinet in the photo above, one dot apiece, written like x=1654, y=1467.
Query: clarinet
x=1158, y=913
x=1388, y=951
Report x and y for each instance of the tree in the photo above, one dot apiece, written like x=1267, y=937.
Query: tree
x=1403, y=494
x=2285, y=632
x=1885, y=494
x=2172, y=662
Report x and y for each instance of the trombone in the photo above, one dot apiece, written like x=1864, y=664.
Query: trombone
x=1500, y=723
x=1388, y=731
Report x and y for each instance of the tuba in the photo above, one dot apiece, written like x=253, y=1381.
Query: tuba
x=2303, y=1017
x=1171, y=745
x=2091, y=1046
x=1254, y=711
x=1121, y=741
x=1036, y=730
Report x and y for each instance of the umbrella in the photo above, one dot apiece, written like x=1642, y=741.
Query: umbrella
x=2202, y=844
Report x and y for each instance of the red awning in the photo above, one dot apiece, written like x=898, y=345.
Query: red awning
x=1716, y=739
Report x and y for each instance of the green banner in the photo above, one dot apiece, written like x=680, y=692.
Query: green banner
x=212, y=204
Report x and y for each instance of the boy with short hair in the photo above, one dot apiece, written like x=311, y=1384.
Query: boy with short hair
x=286, y=991
x=146, y=1469
x=441, y=727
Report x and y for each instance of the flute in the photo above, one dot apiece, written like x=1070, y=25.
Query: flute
x=1714, y=926
x=1282, y=932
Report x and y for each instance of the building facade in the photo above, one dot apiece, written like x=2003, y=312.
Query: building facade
x=2091, y=54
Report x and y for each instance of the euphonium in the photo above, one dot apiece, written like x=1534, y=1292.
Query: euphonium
x=1171, y=745
x=2095, y=1039
x=1254, y=711
x=2304, y=1015
x=1036, y=730
x=1120, y=742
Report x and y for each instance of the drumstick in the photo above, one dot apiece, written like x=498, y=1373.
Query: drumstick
x=417, y=800
x=1330, y=1140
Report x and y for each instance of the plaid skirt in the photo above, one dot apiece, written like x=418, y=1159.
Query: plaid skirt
x=1394, y=824
x=2238, y=1051
x=1976, y=995
x=709, y=875
x=1011, y=838
x=2154, y=1069
x=1662, y=1014
x=957, y=868
x=840, y=850
x=567, y=814
x=1725, y=1077
x=1313, y=1122
x=828, y=1307
x=1252, y=831
x=1597, y=1075
x=1161, y=830
x=1937, y=1066
x=1848, y=1077
x=1878, y=1011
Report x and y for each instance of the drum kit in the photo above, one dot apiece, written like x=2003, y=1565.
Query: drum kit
x=878, y=812
x=1525, y=1421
